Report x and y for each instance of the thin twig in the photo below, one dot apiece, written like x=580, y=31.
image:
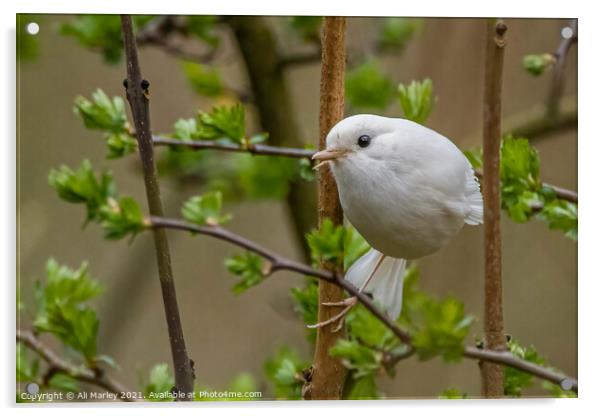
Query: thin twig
x=137, y=95
x=57, y=364
x=292, y=152
x=256, y=149
x=278, y=262
x=557, y=87
x=561, y=193
x=492, y=376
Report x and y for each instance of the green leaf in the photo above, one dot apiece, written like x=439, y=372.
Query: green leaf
x=357, y=357
x=203, y=27
x=81, y=186
x=445, y=326
x=185, y=129
x=64, y=382
x=416, y=100
x=306, y=171
x=537, y=64
x=121, y=218
x=159, y=384
x=284, y=370
x=204, y=80
x=519, y=172
x=222, y=123
x=361, y=388
x=452, y=393
x=523, y=193
x=249, y=267
x=354, y=245
x=561, y=215
x=515, y=380
x=102, y=113
x=397, y=32
x=62, y=310
x=101, y=32
x=306, y=305
x=367, y=328
x=27, y=369
x=120, y=145
x=368, y=87
x=205, y=209
x=327, y=243
x=556, y=391
x=438, y=327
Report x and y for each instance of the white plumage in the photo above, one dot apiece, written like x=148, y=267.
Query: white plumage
x=406, y=188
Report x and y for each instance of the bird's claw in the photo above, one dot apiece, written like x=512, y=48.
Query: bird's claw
x=348, y=303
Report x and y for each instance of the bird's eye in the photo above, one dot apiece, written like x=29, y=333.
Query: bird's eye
x=363, y=140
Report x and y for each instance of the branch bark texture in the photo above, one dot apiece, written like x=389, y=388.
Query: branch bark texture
x=329, y=374
x=137, y=95
x=492, y=376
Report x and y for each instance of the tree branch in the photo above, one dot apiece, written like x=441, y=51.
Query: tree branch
x=137, y=95
x=58, y=365
x=557, y=87
x=329, y=373
x=278, y=262
x=256, y=149
x=561, y=193
x=492, y=376
x=292, y=152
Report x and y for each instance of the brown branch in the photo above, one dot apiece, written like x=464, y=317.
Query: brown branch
x=561, y=193
x=256, y=149
x=137, y=95
x=57, y=364
x=296, y=153
x=557, y=86
x=278, y=262
x=329, y=373
x=492, y=376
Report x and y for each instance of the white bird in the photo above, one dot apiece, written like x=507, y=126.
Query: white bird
x=407, y=190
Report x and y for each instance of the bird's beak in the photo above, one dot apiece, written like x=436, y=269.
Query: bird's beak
x=328, y=154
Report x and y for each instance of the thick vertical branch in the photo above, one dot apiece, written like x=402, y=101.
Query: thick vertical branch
x=492, y=375
x=328, y=373
x=137, y=95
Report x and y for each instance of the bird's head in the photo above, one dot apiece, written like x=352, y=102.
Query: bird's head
x=360, y=139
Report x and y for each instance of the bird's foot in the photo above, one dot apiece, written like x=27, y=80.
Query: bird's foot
x=339, y=318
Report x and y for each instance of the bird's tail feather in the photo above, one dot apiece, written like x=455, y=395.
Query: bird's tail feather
x=386, y=286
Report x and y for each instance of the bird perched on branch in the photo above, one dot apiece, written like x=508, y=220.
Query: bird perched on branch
x=407, y=190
